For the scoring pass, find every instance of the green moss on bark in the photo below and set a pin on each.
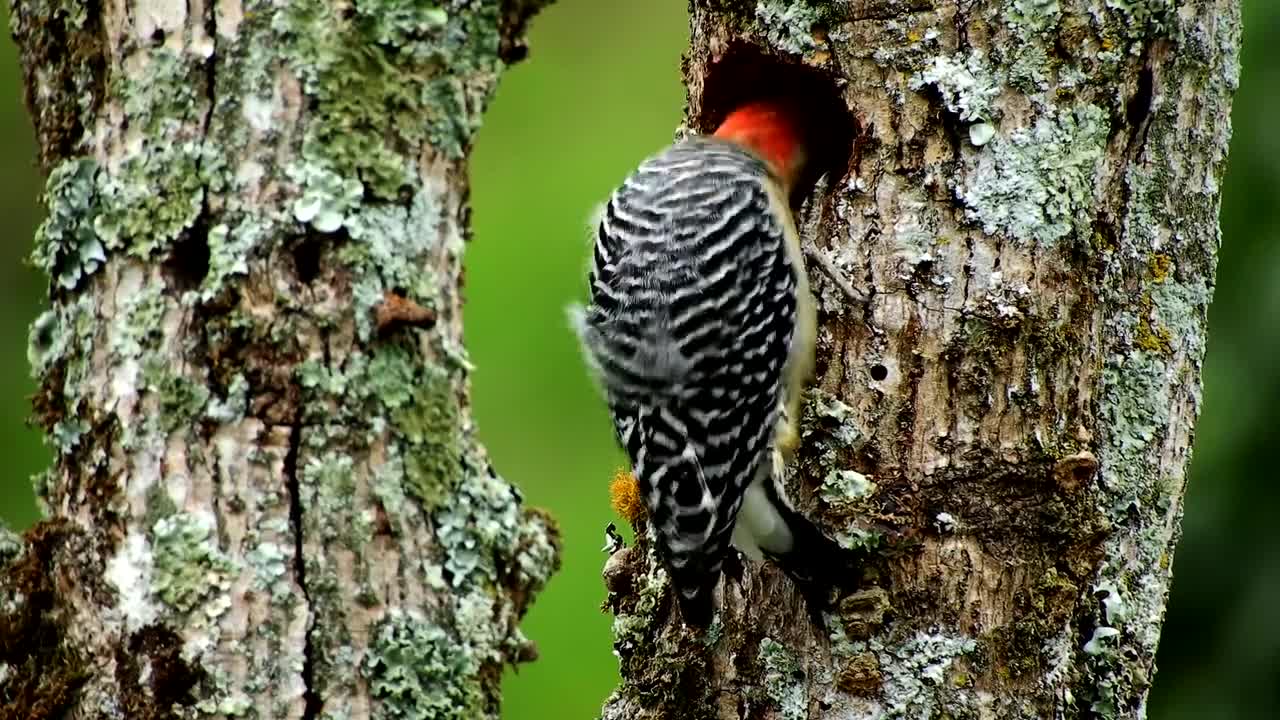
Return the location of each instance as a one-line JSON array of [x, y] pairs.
[[422, 71]]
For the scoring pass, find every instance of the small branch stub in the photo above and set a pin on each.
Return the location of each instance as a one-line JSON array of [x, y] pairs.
[[396, 311]]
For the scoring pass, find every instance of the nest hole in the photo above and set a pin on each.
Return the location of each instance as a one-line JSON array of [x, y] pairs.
[[745, 73]]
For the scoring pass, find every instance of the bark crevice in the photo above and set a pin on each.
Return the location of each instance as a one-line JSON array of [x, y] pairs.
[[312, 700]]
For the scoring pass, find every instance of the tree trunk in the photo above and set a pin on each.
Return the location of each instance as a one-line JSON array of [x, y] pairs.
[[267, 497], [1025, 233]]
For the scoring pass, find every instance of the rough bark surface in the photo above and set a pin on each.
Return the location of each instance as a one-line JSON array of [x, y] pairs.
[[267, 499], [1030, 210]]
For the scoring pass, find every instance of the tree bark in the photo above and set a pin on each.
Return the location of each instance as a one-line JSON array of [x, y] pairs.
[[267, 498], [1025, 233]]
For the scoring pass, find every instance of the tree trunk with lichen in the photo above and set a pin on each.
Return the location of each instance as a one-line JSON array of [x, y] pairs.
[[267, 497], [1013, 262]]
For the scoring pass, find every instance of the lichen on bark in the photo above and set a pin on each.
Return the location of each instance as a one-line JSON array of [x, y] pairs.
[[1030, 210], [279, 505]]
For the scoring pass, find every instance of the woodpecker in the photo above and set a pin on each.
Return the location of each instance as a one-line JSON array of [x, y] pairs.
[[700, 330]]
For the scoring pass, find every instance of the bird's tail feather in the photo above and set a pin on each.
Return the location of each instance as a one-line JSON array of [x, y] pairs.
[[686, 535]]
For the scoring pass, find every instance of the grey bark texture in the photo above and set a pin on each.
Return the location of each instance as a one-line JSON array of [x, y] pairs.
[[1005, 402], [267, 498]]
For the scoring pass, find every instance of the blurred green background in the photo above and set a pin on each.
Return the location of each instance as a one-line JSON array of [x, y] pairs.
[[602, 89]]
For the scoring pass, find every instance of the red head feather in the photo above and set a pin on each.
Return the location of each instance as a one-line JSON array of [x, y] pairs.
[[772, 132]]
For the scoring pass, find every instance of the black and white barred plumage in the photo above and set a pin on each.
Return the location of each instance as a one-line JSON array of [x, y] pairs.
[[700, 330]]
